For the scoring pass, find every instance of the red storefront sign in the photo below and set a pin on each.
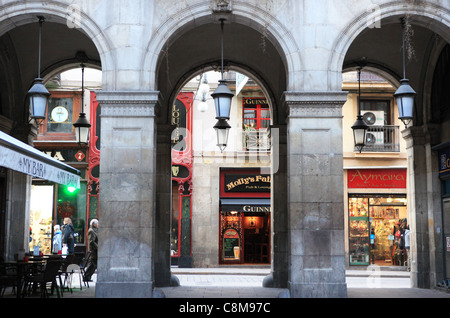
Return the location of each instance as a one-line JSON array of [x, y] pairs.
[[376, 178]]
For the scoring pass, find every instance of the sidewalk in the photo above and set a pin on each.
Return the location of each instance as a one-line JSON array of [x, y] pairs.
[[239, 282]]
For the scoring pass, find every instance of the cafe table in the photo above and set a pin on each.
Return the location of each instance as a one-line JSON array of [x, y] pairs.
[[22, 268]]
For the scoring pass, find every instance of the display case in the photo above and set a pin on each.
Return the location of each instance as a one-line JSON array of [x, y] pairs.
[[358, 231]]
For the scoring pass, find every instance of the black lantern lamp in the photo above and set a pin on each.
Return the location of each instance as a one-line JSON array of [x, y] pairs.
[[405, 94], [222, 99], [359, 127], [222, 130], [82, 125], [38, 95]]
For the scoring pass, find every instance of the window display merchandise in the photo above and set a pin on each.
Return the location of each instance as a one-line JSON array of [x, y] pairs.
[[377, 224]]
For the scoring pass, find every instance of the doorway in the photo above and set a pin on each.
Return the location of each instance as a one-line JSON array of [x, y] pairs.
[[256, 238]]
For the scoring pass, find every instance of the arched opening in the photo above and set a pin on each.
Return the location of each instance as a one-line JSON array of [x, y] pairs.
[[55, 138], [193, 52], [382, 49]]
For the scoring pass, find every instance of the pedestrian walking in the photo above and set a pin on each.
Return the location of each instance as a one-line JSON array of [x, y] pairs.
[[93, 248], [68, 235], [57, 239]]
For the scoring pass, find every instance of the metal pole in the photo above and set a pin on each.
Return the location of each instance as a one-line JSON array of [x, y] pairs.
[[41, 21], [221, 44]]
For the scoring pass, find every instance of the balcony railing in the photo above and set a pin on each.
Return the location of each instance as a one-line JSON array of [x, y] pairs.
[[382, 139], [256, 140], [378, 139]]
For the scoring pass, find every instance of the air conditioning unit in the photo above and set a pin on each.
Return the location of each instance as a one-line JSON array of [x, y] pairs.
[[373, 117], [374, 138]]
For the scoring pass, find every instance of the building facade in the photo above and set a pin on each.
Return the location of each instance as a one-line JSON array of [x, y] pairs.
[[297, 52]]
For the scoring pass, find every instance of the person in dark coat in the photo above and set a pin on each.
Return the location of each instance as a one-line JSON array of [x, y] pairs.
[[93, 248], [68, 235]]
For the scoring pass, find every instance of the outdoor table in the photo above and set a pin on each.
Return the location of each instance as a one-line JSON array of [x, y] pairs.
[[21, 269]]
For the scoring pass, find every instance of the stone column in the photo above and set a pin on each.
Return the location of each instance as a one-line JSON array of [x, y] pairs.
[[163, 206], [279, 216], [418, 218], [17, 235], [315, 194], [127, 200]]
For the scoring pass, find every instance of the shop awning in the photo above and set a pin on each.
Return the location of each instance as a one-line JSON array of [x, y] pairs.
[[245, 205], [23, 158]]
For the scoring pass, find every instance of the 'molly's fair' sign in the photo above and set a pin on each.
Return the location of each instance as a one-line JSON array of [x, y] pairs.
[[376, 178]]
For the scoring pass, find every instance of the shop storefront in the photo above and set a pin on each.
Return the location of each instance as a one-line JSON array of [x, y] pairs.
[[23, 158], [377, 216], [182, 167], [444, 176], [244, 217]]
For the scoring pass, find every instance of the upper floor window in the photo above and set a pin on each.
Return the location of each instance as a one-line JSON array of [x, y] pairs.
[[376, 112], [256, 122], [256, 113]]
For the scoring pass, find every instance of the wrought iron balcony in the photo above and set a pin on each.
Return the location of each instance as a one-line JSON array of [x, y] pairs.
[[256, 140], [382, 139]]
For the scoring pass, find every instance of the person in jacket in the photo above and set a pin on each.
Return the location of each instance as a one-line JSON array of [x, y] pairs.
[[407, 247], [68, 235], [93, 248], [57, 239]]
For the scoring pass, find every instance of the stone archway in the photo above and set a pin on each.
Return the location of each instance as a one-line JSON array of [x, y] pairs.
[[195, 62], [430, 23], [19, 21]]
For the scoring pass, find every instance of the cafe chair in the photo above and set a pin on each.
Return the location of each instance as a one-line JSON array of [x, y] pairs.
[[43, 278], [83, 267], [63, 274], [77, 261], [8, 278], [72, 269]]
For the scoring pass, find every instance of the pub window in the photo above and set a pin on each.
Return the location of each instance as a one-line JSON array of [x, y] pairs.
[[256, 114]]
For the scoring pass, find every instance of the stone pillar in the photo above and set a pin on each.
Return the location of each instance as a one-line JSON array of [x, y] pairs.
[[315, 195], [127, 200], [17, 213], [279, 216], [163, 206], [418, 206]]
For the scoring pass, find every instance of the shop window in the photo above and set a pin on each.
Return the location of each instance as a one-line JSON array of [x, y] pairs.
[[41, 217], [71, 203], [373, 223], [175, 222]]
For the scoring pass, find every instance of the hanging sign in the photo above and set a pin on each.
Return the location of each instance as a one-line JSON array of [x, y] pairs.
[[23, 158], [247, 183]]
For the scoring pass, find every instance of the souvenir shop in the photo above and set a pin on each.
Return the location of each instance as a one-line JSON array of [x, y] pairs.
[[377, 217], [244, 217]]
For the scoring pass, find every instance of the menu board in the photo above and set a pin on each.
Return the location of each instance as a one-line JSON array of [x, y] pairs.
[[231, 242]]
